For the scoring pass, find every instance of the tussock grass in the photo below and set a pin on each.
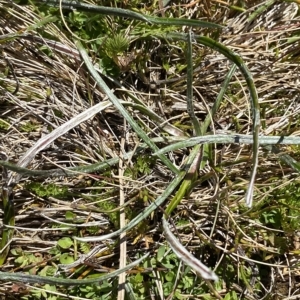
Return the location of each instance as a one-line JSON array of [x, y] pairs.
[[44, 84]]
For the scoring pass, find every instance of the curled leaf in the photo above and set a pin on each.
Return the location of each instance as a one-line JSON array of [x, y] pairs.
[[186, 256]]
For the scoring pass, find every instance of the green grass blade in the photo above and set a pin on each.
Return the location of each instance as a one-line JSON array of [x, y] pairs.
[[254, 105], [284, 157], [9, 219], [142, 216], [190, 175], [5, 276], [184, 142], [218, 101], [74, 171], [209, 117], [236, 59], [121, 108], [195, 159], [260, 10], [230, 139], [182, 22], [113, 11], [189, 97], [9, 216]]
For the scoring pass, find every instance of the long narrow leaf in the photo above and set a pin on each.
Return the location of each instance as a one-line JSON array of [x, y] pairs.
[[189, 96], [49, 138], [186, 256], [230, 139], [209, 117], [184, 142], [125, 13], [236, 59], [193, 162], [194, 159], [6, 276], [217, 103], [121, 108], [9, 216], [142, 216], [286, 158]]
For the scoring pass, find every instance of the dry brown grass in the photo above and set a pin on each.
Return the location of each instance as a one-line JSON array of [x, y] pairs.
[[41, 91]]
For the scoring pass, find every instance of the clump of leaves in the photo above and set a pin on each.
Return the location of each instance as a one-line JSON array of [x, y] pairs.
[[93, 291], [42, 293], [288, 198], [114, 217], [59, 252], [29, 127], [281, 211], [46, 190], [272, 217], [24, 258], [143, 166], [89, 27], [116, 49], [84, 247], [3, 125], [64, 244], [116, 44], [176, 279]]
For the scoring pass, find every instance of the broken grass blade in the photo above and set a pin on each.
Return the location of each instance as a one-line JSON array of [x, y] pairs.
[[186, 256], [46, 140]]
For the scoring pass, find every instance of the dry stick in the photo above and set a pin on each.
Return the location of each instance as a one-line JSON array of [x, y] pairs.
[[123, 248]]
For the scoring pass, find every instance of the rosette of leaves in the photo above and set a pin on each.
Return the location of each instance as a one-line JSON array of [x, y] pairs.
[[116, 48]]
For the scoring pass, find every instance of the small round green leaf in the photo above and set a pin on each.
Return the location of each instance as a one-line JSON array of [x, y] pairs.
[[65, 243], [66, 258]]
